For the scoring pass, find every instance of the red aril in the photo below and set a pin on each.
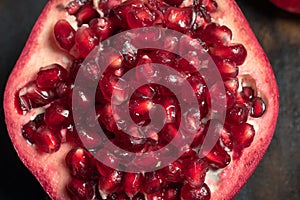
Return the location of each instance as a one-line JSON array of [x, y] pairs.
[[64, 34], [47, 140], [85, 41], [189, 193], [40, 94], [80, 189], [132, 183]]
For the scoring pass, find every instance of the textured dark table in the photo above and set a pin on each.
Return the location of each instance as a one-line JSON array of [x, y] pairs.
[[277, 176]]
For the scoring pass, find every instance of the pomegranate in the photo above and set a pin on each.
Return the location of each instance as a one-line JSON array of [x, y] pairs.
[[292, 6], [73, 160]]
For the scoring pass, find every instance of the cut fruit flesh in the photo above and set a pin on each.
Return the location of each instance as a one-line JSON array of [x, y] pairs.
[[49, 174]]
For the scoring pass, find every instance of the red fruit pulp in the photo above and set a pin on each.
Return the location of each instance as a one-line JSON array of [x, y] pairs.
[[67, 170]]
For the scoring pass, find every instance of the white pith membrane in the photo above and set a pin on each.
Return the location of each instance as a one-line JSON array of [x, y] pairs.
[[54, 55]]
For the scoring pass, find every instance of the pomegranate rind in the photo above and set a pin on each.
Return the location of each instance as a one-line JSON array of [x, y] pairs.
[[292, 6], [233, 177], [50, 169]]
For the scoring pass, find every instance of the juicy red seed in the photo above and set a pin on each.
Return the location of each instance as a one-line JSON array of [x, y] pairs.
[[120, 94], [230, 99], [91, 72], [192, 120], [158, 5], [195, 172], [172, 192], [47, 140], [232, 85], [145, 69], [243, 135], [139, 110], [258, 107], [122, 10], [145, 92], [165, 57], [231, 89], [85, 41], [81, 189], [198, 85], [235, 53], [107, 118], [64, 34], [153, 182], [115, 60], [237, 115], [191, 49], [159, 195], [185, 67], [57, 116], [33, 96], [188, 153], [227, 69], [102, 27], [49, 76], [218, 157], [107, 162], [63, 89], [247, 93], [103, 169], [82, 98], [169, 131], [210, 5], [172, 110], [23, 103], [139, 17], [90, 139], [81, 164], [180, 19], [107, 5], [74, 6], [173, 172], [214, 34], [132, 144], [226, 139], [86, 14], [174, 2], [29, 131], [198, 137], [198, 193], [132, 183], [140, 106], [114, 89], [111, 183]]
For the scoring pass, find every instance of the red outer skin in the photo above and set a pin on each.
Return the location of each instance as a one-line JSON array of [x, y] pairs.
[[50, 169], [292, 6]]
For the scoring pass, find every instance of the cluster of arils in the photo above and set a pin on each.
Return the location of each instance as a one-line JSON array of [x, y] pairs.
[[52, 92]]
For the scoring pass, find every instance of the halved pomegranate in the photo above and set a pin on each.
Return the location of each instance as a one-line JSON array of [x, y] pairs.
[[72, 161], [292, 6]]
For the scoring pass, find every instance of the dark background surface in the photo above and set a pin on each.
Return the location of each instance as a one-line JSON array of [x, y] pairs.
[[277, 176]]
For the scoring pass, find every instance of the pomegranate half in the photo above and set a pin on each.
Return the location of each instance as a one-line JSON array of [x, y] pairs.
[[292, 6], [66, 31]]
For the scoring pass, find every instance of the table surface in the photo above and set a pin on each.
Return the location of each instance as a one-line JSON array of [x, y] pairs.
[[277, 176]]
